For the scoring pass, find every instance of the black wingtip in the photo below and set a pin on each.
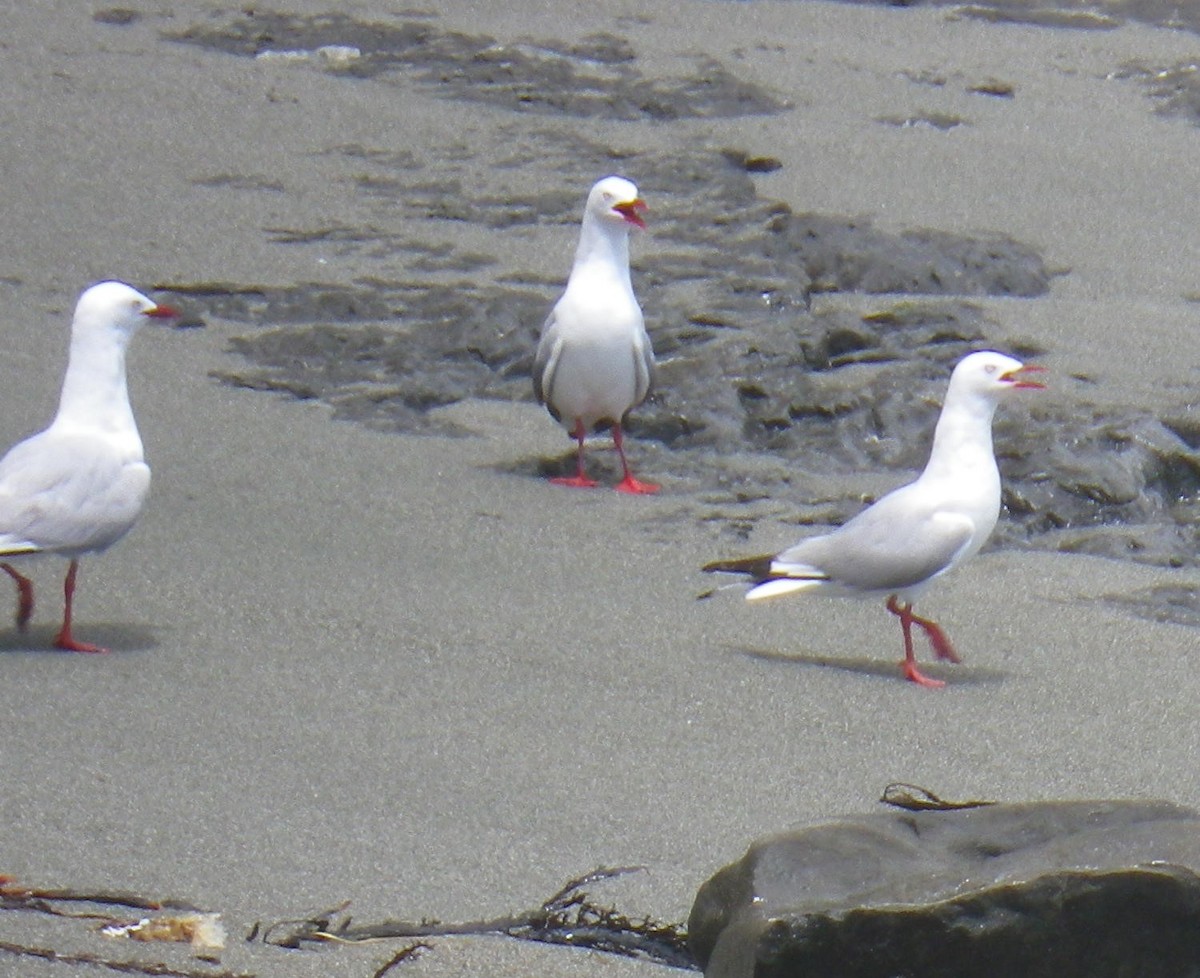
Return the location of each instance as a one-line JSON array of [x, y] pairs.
[[757, 567]]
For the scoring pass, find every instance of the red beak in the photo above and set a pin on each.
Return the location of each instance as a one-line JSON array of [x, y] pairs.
[[632, 211], [161, 311], [1021, 382]]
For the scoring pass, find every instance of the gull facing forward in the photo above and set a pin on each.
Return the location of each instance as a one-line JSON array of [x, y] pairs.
[[594, 362], [79, 486], [896, 548]]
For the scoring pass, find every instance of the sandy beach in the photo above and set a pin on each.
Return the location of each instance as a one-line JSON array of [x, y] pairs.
[[399, 669]]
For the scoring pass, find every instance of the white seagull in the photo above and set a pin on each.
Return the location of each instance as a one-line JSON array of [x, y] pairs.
[[79, 486], [594, 362], [896, 548]]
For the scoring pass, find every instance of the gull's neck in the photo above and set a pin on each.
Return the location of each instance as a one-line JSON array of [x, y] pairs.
[[94, 393], [603, 248], [962, 440]]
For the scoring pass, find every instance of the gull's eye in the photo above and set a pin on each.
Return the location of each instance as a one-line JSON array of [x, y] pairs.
[[990, 368]]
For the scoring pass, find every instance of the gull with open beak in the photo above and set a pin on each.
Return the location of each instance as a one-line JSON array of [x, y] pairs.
[[897, 547], [594, 362]]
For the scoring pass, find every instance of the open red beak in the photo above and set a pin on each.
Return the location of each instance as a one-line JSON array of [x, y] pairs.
[[161, 311], [1020, 381], [632, 211]]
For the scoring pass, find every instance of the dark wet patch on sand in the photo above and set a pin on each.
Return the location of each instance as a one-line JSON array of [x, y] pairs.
[[598, 76], [381, 353], [774, 367]]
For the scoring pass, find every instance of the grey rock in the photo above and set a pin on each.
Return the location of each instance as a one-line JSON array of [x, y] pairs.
[[1054, 889]]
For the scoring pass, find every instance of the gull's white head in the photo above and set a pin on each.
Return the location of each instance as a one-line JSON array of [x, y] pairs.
[[115, 307], [991, 375], [615, 200]]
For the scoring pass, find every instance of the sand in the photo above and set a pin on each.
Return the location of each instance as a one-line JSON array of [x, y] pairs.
[[401, 671]]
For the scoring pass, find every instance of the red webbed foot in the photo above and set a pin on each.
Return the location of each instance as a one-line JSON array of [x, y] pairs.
[[632, 486], [67, 643], [914, 675], [65, 640], [937, 638]]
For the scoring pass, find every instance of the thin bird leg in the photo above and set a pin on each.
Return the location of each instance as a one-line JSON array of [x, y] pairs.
[[911, 672], [579, 480], [937, 639], [629, 483], [24, 596], [64, 640]]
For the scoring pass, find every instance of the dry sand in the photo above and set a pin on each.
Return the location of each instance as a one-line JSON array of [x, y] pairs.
[[385, 669]]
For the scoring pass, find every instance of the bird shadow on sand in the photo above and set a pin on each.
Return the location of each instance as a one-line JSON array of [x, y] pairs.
[[117, 637], [599, 466], [951, 675]]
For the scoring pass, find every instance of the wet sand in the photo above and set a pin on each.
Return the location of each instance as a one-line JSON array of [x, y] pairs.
[[398, 668]]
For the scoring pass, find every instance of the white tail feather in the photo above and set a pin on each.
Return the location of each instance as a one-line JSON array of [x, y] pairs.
[[778, 586]]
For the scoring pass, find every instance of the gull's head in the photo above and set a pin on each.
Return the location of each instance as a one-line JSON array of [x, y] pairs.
[[992, 374], [615, 200], [117, 308]]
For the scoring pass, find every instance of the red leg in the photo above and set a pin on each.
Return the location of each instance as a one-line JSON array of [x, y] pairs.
[[24, 596], [64, 640], [629, 483], [911, 672], [579, 480]]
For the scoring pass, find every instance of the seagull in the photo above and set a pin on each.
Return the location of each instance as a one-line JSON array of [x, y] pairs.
[[78, 487], [594, 362], [897, 547]]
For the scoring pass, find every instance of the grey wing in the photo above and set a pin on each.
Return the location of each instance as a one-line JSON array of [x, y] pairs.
[[643, 366], [895, 544], [62, 494], [545, 361], [25, 484]]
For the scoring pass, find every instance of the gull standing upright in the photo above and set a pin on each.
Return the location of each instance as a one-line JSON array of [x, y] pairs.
[[79, 486], [897, 547], [594, 361]]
